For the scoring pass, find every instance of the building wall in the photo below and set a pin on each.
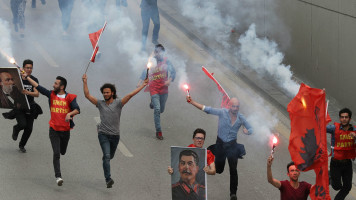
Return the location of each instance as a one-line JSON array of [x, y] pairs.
[[322, 48]]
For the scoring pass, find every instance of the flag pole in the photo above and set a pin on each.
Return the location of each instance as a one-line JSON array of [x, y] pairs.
[[87, 67], [96, 46]]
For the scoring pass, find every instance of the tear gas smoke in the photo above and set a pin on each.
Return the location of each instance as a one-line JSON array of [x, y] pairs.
[[263, 56]]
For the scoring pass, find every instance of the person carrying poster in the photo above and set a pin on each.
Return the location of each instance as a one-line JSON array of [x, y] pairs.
[[24, 117], [198, 142]]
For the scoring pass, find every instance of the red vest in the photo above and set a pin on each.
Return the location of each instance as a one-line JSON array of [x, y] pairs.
[[157, 77], [59, 108], [344, 147]]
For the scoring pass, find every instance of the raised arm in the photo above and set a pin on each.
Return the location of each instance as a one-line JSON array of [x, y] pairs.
[[276, 183], [194, 103], [133, 93], [87, 95], [32, 82], [35, 92]]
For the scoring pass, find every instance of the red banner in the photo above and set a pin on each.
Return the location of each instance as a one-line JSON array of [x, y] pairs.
[[307, 141], [94, 39], [226, 98]]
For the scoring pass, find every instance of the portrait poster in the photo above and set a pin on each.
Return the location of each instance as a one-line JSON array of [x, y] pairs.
[[188, 179], [11, 89]]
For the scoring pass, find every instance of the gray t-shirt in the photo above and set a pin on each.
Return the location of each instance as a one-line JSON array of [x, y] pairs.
[[109, 117]]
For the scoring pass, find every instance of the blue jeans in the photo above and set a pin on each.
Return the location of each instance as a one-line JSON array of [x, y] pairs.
[[148, 13], [108, 145], [66, 7], [159, 103]]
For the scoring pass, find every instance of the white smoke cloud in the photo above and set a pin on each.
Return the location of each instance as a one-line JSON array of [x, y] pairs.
[[5, 39], [263, 56], [209, 19]]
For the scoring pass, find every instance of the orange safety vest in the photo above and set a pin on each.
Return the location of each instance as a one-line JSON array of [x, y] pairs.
[[344, 147], [157, 77], [59, 108]]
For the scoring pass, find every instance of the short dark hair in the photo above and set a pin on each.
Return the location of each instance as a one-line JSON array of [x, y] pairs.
[[27, 61], [189, 153], [63, 81], [289, 164], [160, 47], [199, 130], [111, 87], [345, 110]]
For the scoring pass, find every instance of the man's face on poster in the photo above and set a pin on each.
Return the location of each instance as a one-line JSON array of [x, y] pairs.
[[6, 82], [188, 169]]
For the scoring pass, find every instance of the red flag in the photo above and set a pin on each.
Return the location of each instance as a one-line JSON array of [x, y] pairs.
[[94, 39], [307, 141], [226, 98]]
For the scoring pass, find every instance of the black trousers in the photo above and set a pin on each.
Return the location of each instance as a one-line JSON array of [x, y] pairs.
[[341, 177], [59, 141], [24, 122], [227, 150]]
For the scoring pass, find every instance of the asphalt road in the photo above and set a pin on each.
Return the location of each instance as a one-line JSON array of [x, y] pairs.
[[140, 165]]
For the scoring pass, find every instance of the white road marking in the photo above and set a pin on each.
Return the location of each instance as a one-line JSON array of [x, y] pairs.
[[45, 55], [121, 145]]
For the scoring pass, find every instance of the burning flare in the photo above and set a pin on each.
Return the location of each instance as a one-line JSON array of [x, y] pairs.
[[304, 103], [12, 60], [275, 140]]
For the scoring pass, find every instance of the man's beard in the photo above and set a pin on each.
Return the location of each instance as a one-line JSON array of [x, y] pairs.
[[7, 88], [108, 99], [56, 90]]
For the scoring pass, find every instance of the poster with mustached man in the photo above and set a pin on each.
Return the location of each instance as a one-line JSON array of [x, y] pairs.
[[188, 178], [11, 89]]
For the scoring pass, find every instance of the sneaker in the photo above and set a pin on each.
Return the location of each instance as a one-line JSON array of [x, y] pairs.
[[151, 105], [109, 183], [22, 149], [59, 181], [159, 135], [233, 197], [15, 134]]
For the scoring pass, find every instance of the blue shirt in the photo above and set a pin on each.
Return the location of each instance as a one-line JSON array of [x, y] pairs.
[[226, 131]]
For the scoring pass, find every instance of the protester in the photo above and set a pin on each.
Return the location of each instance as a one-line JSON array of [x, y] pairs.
[[198, 142], [343, 149], [25, 118], [230, 121], [66, 7], [292, 189], [109, 127], [18, 11], [63, 107], [149, 11], [160, 77]]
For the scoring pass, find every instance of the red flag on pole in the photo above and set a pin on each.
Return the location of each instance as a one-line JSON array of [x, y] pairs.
[[307, 141], [94, 39], [226, 98]]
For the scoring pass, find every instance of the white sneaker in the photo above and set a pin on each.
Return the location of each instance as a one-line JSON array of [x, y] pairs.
[[59, 181]]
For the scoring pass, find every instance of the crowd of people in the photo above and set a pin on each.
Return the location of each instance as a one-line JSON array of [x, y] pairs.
[[149, 11], [64, 106]]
